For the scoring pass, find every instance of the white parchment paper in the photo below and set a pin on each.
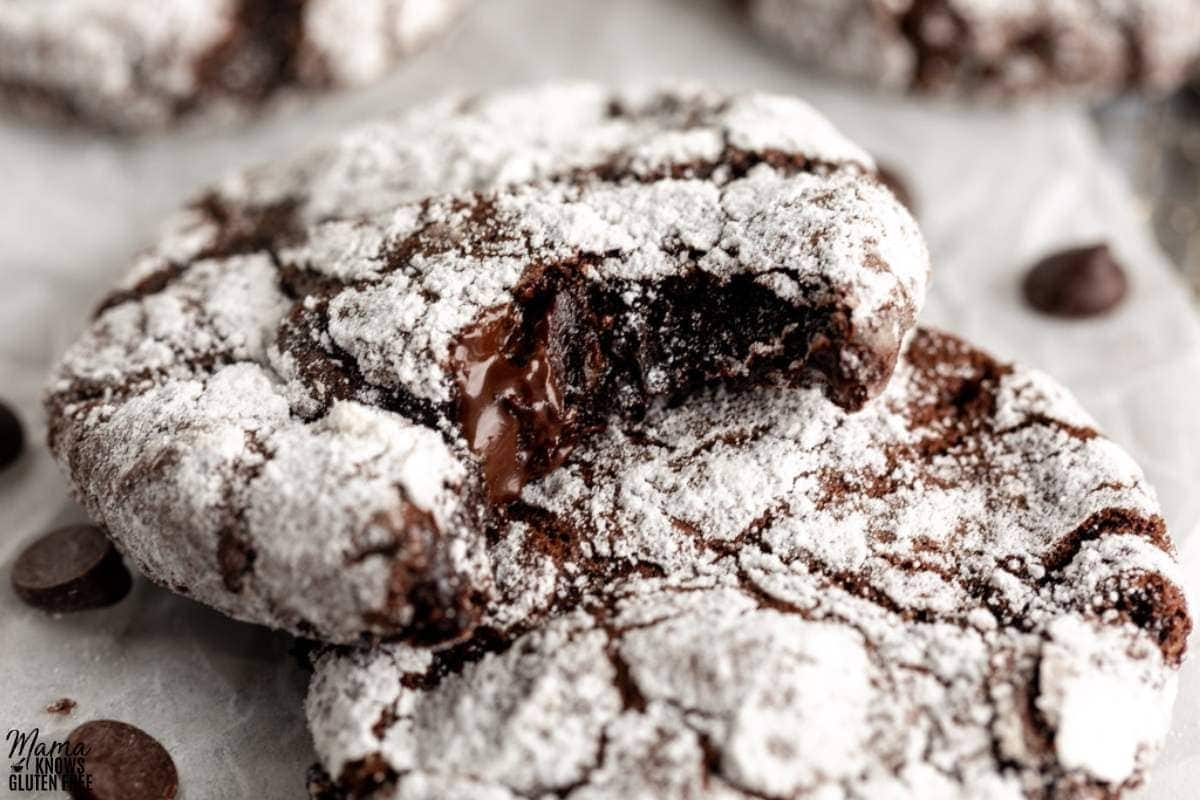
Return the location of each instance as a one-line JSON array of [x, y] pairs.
[[995, 188]]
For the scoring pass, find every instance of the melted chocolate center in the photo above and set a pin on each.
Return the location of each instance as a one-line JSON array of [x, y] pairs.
[[511, 407], [569, 355]]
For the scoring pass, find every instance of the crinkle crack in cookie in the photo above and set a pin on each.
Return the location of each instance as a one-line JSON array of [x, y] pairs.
[[308, 403], [962, 591], [132, 65], [983, 47]]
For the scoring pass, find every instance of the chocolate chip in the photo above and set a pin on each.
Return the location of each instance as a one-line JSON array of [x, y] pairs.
[[122, 763], [71, 569], [1079, 282], [12, 437], [892, 179], [64, 705]]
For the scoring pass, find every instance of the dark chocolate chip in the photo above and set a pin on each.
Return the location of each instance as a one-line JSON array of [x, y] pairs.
[[71, 569], [892, 179], [1079, 282], [122, 763], [64, 705], [12, 436]]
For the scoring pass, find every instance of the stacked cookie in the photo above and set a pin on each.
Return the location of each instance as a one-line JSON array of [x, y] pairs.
[[596, 431]]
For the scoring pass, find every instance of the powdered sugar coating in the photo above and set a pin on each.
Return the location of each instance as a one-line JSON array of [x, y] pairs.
[[759, 595], [132, 65], [262, 413], [984, 47]]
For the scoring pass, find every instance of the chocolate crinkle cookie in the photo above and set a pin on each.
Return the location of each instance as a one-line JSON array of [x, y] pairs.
[[317, 400], [988, 48], [135, 65], [961, 591]]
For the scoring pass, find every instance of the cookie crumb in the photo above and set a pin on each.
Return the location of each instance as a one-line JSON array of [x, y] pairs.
[[63, 706]]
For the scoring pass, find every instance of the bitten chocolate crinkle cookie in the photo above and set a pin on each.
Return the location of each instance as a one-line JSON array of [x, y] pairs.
[[962, 591], [130, 65], [309, 404], [983, 47]]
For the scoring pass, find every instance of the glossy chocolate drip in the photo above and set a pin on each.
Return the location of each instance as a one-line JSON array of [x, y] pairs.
[[510, 403]]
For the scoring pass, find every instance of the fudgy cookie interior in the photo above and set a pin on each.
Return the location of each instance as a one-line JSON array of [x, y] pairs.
[[569, 354]]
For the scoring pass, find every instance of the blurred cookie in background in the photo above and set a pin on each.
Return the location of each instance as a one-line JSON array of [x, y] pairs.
[[126, 66], [990, 49]]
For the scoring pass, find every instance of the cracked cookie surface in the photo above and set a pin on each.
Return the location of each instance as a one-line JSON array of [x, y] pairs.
[[962, 591], [133, 65], [310, 401], [984, 48]]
